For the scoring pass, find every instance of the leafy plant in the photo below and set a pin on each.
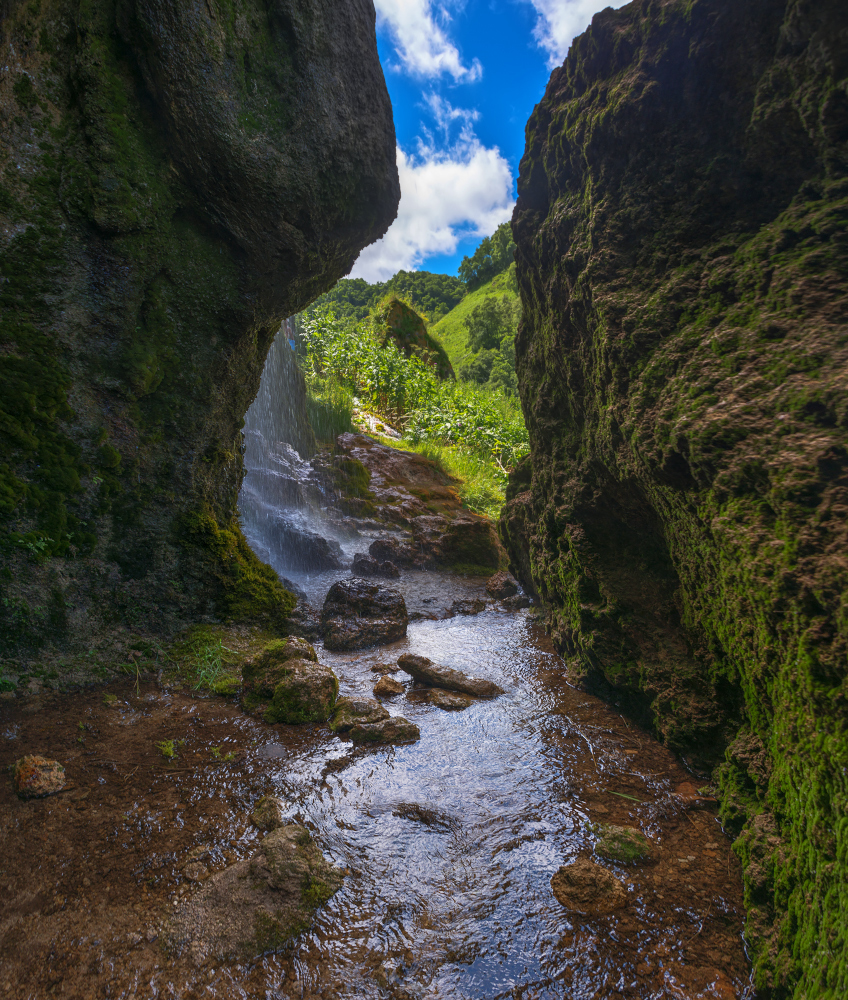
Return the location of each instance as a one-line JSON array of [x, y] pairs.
[[223, 758], [168, 748]]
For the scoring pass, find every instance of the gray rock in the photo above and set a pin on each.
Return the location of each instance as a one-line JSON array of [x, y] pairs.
[[358, 613], [258, 905], [433, 675], [364, 565], [502, 585], [386, 687]]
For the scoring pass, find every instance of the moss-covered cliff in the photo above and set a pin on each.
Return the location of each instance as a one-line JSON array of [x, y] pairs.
[[682, 231], [175, 178]]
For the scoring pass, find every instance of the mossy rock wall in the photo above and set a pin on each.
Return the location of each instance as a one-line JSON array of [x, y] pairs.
[[682, 232], [175, 179]]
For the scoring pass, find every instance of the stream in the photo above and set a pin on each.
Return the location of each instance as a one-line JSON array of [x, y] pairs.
[[448, 844]]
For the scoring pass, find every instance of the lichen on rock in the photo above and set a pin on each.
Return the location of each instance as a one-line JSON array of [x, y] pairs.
[[682, 257]]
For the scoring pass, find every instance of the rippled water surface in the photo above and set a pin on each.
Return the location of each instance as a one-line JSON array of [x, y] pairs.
[[449, 844]]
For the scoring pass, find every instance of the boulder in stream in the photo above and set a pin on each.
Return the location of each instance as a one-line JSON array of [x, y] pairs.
[[433, 675], [358, 613], [36, 777], [395, 729], [285, 683], [257, 905], [300, 549], [588, 888], [391, 550], [351, 711], [501, 585], [365, 565], [386, 687], [450, 701], [624, 844]]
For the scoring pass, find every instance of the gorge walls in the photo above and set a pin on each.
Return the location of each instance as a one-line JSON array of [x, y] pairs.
[[175, 179], [682, 232]]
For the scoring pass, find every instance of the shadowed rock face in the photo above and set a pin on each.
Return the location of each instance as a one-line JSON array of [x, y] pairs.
[[176, 179], [683, 264]]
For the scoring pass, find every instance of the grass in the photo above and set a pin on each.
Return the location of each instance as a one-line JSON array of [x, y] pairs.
[[168, 748], [329, 407], [205, 663]]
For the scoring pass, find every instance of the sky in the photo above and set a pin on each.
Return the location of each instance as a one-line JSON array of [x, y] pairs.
[[463, 76]]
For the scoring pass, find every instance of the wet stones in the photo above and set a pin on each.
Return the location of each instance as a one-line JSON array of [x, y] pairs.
[[257, 905], [269, 813], [352, 711], [501, 585], [299, 549], [365, 565], [36, 777], [285, 683], [387, 687], [433, 675], [358, 613], [588, 888], [449, 701], [392, 730], [390, 550], [624, 844], [466, 608]]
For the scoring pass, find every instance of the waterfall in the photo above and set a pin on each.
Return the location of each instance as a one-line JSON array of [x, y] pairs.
[[285, 513]]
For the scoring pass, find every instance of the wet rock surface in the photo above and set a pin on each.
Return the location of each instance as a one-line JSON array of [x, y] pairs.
[[502, 584], [269, 813], [358, 613], [624, 844], [450, 701], [365, 565], [387, 687], [257, 905], [300, 549], [285, 683], [588, 888], [35, 777], [352, 711], [395, 729], [426, 672]]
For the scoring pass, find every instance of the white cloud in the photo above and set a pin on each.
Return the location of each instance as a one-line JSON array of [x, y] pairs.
[[560, 21], [421, 44], [445, 195]]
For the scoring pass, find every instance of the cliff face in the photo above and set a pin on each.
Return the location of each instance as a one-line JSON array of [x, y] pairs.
[[682, 231], [175, 179]]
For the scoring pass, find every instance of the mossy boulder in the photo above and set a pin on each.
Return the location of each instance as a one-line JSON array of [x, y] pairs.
[[397, 323], [348, 712], [176, 179], [286, 683], [257, 905], [263, 672], [682, 259], [624, 844]]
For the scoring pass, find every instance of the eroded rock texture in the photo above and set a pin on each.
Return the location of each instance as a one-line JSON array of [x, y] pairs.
[[682, 231], [175, 178]]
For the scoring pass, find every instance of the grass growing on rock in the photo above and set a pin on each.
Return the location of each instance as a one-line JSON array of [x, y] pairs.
[[474, 433]]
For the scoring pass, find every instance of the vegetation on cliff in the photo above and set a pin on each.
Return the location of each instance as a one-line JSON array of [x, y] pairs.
[[682, 252]]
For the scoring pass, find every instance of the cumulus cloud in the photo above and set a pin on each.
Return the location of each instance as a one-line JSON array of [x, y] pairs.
[[560, 21], [422, 45], [446, 195]]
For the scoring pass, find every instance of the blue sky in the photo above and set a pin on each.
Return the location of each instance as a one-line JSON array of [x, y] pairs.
[[464, 76]]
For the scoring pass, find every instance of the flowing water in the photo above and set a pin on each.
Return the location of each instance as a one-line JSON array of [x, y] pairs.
[[448, 844]]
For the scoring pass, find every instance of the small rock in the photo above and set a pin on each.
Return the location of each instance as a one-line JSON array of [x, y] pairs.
[[624, 844], [588, 888], [392, 730], [450, 701], [358, 613], [365, 565], [110, 700], [196, 872], [388, 686], [516, 603], [502, 585], [350, 711], [389, 550], [467, 607], [433, 675], [35, 777], [152, 934], [135, 939], [385, 668], [269, 813]]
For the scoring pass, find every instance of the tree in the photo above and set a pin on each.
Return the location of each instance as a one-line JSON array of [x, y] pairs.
[[495, 254]]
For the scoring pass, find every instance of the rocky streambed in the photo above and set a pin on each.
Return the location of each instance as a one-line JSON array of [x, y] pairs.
[[438, 815]]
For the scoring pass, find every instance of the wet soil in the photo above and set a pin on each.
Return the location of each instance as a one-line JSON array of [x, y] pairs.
[[449, 844]]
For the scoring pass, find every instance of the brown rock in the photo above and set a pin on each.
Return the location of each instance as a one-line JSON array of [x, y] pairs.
[[358, 613], [393, 730], [269, 813], [352, 711], [450, 701], [35, 777], [388, 686], [501, 585], [364, 565], [433, 675], [588, 888]]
